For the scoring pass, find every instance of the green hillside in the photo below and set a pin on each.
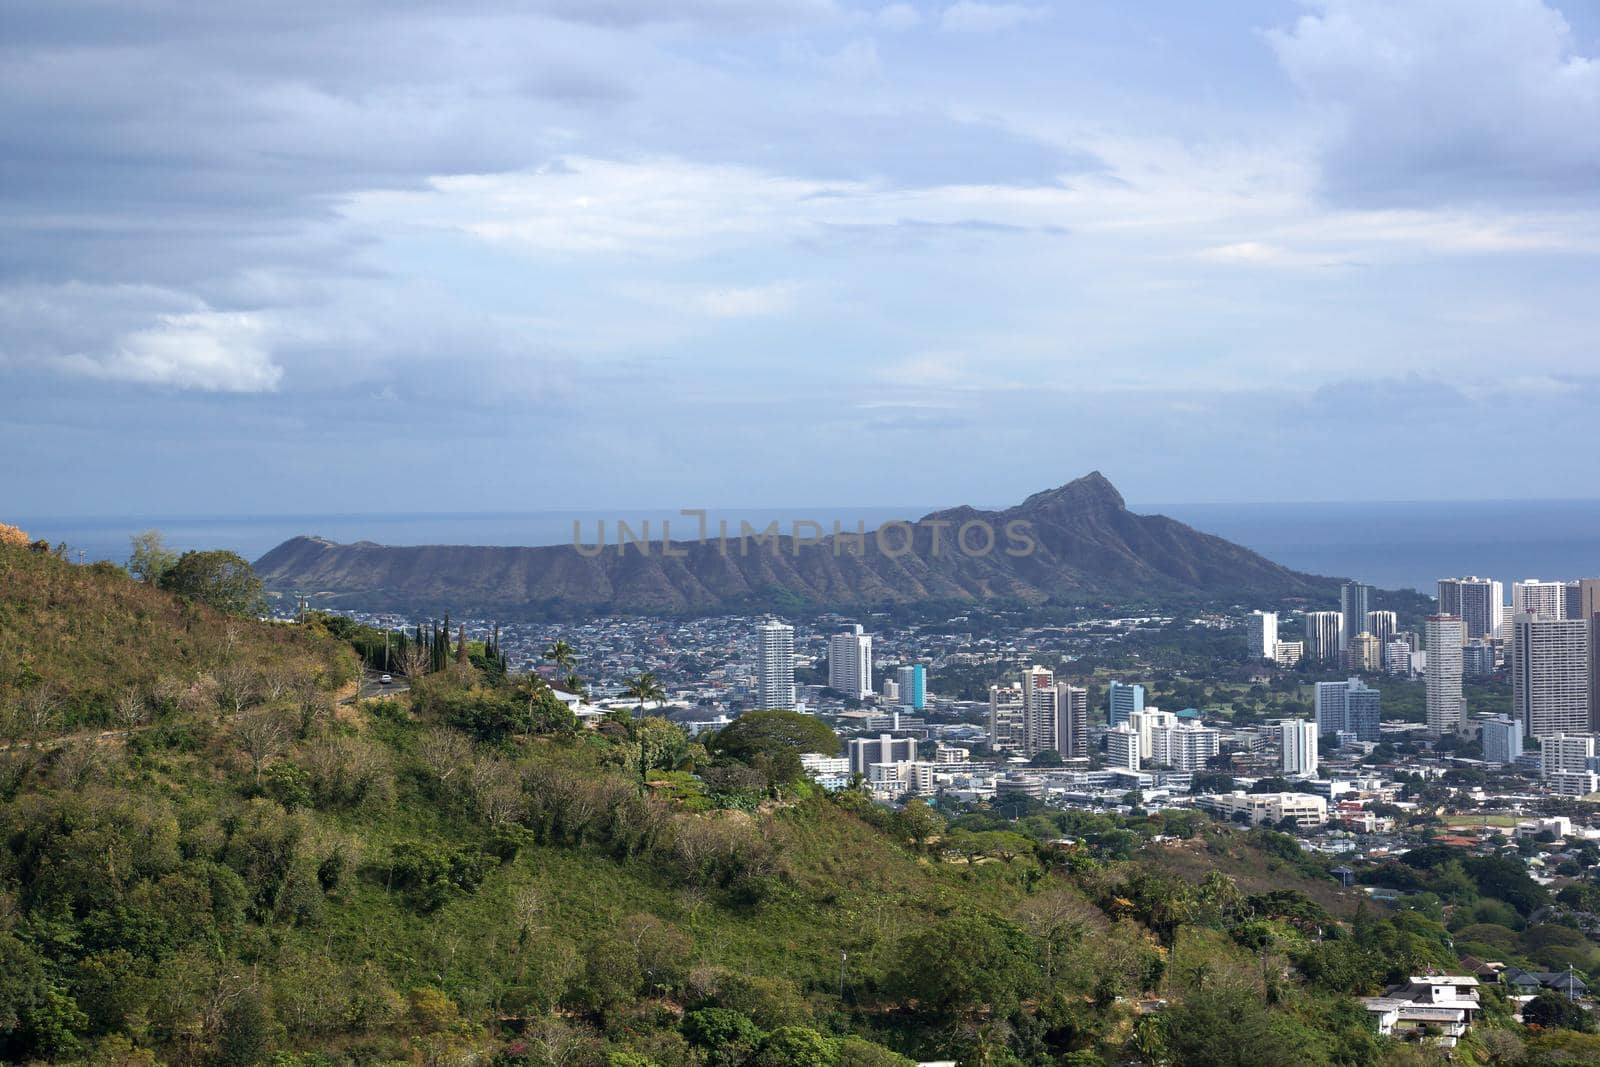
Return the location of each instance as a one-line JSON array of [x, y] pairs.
[[244, 876]]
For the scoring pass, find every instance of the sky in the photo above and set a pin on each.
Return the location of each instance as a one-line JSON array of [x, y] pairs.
[[294, 257]]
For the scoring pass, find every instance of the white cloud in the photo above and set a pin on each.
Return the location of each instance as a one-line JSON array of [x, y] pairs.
[[749, 301], [968, 16], [210, 351], [1447, 100], [898, 17]]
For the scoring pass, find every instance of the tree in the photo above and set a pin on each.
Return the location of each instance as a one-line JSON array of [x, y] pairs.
[[1226, 1026], [768, 733], [982, 962], [644, 688], [560, 653], [222, 580], [150, 558], [1554, 1011]]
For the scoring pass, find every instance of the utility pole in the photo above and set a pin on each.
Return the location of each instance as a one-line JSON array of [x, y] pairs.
[[843, 956]]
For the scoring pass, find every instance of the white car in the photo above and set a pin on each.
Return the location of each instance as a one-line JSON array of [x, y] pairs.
[[384, 679]]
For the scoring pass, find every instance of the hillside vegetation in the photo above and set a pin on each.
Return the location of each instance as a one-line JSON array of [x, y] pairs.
[[467, 876]]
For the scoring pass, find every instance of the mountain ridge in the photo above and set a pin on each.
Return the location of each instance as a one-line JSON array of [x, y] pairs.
[[1075, 541]]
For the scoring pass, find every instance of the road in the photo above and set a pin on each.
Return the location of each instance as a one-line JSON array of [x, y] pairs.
[[371, 687]]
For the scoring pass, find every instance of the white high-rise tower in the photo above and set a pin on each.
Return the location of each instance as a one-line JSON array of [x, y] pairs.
[[850, 663], [774, 665], [1447, 703], [1262, 627], [1550, 675]]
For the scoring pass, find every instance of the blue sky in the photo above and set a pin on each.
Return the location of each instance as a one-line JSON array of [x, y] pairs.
[[300, 256]]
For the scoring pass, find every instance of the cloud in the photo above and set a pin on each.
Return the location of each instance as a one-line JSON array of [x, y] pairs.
[[968, 16], [898, 17], [218, 352], [749, 301], [1447, 100]]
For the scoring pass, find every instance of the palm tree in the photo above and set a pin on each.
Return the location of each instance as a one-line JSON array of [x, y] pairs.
[[644, 687], [560, 653]]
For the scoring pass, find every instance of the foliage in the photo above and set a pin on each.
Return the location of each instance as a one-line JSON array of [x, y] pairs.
[[218, 579]]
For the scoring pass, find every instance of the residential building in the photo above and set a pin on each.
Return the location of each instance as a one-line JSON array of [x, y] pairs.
[[1288, 653], [1383, 625], [1363, 710], [1324, 636], [1477, 659], [1298, 740], [1502, 740], [1550, 676], [1397, 657], [1145, 723], [1183, 746], [1262, 630], [1330, 706], [1574, 783], [1477, 602], [774, 666], [1589, 611], [1547, 600], [1447, 702], [1122, 747], [850, 663], [1432, 1009], [830, 772], [885, 748], [1355, 601], [1562, 752], [1055, 715], [913, 685], [1122, 701], [1364, 653], [1008, 728]]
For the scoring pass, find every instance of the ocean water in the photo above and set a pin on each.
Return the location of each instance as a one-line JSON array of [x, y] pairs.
[[1390, 545]]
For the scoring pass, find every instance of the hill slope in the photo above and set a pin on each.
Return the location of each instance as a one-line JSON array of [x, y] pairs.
[[77, 640], [1074, 542]]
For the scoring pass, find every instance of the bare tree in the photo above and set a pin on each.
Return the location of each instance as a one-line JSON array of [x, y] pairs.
[[495, 789], [76, 762], [131, 709], [238, 687], [446, 754], [413, 661], [40, 711], [261, 735]]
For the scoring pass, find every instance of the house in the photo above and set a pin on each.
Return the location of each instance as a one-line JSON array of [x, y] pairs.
[[1529, 983], [1433, 1008]]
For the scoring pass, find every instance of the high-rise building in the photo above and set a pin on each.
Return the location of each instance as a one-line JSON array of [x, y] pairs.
[[1262, 630], [885, 748], [1565, 752], [1007, 718], [1397, 657], [1502, 740], [1572, 600], [1288, 653], [1589, 611], [1145, 723], [1350, 706], [1072, 720], [1122, 748], [1447, 702], [775, 665], [850, 663], [1548, 600], [913, 682], [1298, 739], [1122, 701], [1383, 625], [1549, 663], [1477, 659], [1363, 711], [1477, 602], [1055, 715], [1355, 600], [1330, 701], [1364, 653], [1183, 746], [1324, 636]]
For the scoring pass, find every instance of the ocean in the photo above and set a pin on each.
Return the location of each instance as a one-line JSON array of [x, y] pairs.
[[1388, 544]]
